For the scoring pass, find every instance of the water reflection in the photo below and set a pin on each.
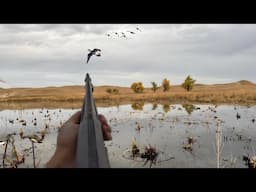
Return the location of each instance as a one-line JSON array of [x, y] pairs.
[[137, 106], [166, 108], [189, 108], [180, 139], [154, 107], [218, 145]]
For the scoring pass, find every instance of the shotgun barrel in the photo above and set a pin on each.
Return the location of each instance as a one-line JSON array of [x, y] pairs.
[[91, 151]]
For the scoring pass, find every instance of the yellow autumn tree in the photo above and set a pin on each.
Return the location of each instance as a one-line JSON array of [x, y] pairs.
[[166, 85], [137, 87]]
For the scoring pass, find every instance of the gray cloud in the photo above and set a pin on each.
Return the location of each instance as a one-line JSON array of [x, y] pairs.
[[221, 40], [54, 54], [2, 81]]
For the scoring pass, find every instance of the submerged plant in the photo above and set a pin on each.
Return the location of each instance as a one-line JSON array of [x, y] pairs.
[[135, 148], [150, 154]]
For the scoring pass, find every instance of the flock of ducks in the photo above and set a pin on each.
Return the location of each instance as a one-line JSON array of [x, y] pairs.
[[122, 34]]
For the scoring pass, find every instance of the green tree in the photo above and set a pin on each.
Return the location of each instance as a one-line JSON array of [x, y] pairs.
[[166, 85], [137, 87], [188, 83], [154, 86]]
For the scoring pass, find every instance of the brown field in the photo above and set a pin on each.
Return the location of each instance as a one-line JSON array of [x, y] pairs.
[[242, 92]]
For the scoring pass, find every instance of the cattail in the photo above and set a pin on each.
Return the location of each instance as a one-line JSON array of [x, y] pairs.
[[21, 133]]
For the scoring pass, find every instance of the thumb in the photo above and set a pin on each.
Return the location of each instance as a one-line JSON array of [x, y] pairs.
[[75, 118]]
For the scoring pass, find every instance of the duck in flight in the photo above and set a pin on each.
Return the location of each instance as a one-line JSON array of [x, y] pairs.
[[138, 29], [131, 32], [95, 51], [123, 35]]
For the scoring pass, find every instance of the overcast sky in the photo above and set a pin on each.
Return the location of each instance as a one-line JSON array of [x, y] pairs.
[[54, 55]]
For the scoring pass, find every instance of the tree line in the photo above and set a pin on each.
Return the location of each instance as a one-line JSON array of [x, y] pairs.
[[188, 84], [138, 87]]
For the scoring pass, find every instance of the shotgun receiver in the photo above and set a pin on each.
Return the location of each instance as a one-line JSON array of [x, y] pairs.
[[91, 151]]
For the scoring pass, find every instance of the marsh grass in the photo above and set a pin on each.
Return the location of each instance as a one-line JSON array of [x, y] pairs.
[[241, 92]]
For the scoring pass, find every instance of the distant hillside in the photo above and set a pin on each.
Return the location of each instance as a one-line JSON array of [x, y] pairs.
[[241, 91], [245, 82], [241, 82]]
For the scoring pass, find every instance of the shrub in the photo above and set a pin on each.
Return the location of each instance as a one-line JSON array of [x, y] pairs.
[[166, 85], [108, 90], [154, 86], [137, 87], [115, 91]]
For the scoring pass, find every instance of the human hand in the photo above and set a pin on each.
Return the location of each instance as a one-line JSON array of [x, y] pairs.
[[65, 153]]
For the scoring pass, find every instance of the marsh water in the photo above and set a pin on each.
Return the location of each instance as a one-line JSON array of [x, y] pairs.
[[221, 134]]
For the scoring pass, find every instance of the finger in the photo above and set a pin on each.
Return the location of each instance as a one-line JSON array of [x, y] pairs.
[[108, 137], [106, 132], [102, 119], [106, 128], [75, 118]]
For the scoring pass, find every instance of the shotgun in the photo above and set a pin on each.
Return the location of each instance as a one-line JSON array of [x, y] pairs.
[[91, 151]]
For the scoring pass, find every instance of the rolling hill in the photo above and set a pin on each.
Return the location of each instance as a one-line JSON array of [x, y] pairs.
[[238, 92]]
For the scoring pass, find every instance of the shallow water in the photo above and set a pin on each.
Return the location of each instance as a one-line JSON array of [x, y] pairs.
[[165, 127]]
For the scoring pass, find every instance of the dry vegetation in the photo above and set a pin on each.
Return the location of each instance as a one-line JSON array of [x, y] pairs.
[[242, 92]]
